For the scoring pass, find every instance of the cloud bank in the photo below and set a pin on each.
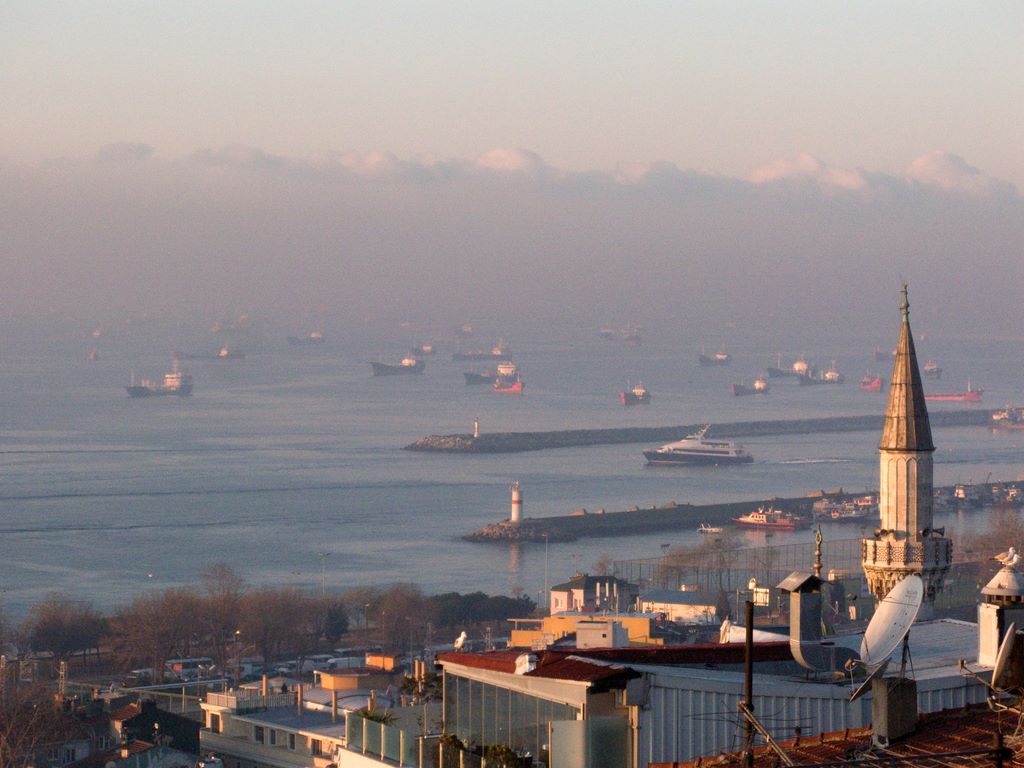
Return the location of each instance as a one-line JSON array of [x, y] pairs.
[[508, 238]]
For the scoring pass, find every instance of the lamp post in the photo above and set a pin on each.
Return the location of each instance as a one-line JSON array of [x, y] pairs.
[[546, 567], [323, 573]]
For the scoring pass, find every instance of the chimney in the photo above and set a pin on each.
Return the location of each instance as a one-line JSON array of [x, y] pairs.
[[1002, 604]]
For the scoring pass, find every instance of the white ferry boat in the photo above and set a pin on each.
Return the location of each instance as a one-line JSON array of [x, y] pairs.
[[696, 449]]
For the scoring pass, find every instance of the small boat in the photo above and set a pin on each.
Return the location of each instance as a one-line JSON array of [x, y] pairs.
[[508, 381], [970, 396], [408, 365], [423, 349], [931, 370], [487, 377], [1008, 418], [636, 395], [709, 529], [856, 510], [719, 358], [497, 352], [877, 355], [313, 337], [176, 382], [772, 519], [831, 376], [696, 449], [225, 353], [872, 383], [759, 387]]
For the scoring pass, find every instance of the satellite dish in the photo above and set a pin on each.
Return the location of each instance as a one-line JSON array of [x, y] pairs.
[[876, 673], [1003, 656], [892, 621]]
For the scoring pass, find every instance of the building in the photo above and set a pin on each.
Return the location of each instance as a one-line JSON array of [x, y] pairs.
[[677, 605], [591, 594], [906, 542]]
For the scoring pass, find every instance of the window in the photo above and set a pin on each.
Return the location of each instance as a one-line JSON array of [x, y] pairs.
[[257, 734], [214, 722], [315, 747], [291, 741], [69, 755], [273, 738]]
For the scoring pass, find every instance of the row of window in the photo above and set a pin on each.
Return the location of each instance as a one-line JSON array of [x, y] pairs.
[[272, 737]]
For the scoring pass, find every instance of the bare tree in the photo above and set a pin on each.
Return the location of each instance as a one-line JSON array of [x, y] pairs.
[[63, 626], [221, 609], [29, 721], [155, 627]]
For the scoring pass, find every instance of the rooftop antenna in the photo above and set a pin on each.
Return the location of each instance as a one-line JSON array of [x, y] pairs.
[[1005, 678]]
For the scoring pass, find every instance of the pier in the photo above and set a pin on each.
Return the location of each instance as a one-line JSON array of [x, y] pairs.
[[518, 442]]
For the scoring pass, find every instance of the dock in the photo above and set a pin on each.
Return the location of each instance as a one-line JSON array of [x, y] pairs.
[[518, 442]]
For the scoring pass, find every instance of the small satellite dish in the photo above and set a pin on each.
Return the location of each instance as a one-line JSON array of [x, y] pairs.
[[892, 620], [876, 673], [1003, 656]]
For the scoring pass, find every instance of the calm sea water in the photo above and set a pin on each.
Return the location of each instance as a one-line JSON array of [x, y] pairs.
[[288, 466]]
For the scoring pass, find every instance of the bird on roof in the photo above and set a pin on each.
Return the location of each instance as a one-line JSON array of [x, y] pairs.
[[1007, 557], [461, 641]]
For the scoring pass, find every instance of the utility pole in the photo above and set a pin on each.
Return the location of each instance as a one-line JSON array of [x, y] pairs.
[[748, 687]]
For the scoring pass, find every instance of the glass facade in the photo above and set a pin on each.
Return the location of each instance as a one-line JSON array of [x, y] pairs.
[[482, 714]]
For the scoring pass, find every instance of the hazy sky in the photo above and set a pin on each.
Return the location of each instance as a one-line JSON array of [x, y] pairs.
[[383, 148]]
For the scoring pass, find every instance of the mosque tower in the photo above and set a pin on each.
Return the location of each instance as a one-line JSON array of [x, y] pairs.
[[906, 542]]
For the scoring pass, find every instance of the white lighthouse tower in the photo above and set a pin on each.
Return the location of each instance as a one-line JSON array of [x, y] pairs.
[[517, 504]]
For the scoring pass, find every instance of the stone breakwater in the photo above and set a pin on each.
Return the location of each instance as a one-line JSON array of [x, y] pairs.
[[633, 521], [517, 442]]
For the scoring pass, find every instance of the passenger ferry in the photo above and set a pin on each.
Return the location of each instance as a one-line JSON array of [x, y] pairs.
[[695, 449]]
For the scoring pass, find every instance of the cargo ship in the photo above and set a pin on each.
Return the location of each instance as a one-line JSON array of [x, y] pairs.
[[176, 382], [497, 352], [800, 367], [695, 449], [637, 395], [931, 370], [759, 387], [772, 519], [408, 365], [487, 377], [719, 358], [970, 396], [1008, 418], [313, 337], [831, 376], [508, 381]]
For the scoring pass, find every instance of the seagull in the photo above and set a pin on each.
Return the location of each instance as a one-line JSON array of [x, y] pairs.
[[460, 641], [1007, 556]]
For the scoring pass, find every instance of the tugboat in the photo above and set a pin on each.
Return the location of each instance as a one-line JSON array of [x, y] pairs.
[[719, 358], [772, 519], [931, 370], [508, 381], [695, 449], [177, 382], [635, 395], [872, 383], [759, 387], [408, 365], [970, 396], [487, 377]]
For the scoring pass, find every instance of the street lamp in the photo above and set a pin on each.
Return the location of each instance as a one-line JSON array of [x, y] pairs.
[[323, 573]]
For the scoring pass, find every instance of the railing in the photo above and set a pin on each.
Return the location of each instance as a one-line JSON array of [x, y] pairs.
[[406, 748], [250, 701]]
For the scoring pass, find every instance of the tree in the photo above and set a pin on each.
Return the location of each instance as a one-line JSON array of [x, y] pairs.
[[63, 626], [29, 719], [155, 627], [335, 620], [221, 609]]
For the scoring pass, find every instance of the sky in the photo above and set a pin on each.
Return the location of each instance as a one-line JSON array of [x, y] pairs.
[[457, 159]]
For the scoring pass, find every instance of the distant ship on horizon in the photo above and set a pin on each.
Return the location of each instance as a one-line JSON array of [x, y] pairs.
[[175, 382]]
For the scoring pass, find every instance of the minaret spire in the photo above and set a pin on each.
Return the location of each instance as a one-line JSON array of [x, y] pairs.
[[905, 541]]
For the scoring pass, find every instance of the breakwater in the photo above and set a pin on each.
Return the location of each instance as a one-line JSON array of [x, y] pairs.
[[517, 442], [631, 522]]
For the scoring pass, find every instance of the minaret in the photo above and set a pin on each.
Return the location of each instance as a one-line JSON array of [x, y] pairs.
[[905, 542]]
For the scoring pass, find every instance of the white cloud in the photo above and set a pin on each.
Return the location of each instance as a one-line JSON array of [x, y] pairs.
[[809, 168], [951, 173], [519, 161]]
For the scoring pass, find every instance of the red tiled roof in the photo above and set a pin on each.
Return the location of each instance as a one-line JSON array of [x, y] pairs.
[[553, 663], [126, 712], [937, 734]]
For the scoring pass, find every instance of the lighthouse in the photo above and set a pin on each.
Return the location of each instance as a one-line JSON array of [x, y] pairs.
[[517, 504]]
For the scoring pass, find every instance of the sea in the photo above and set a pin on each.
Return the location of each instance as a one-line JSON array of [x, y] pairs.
[[288, 464]]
